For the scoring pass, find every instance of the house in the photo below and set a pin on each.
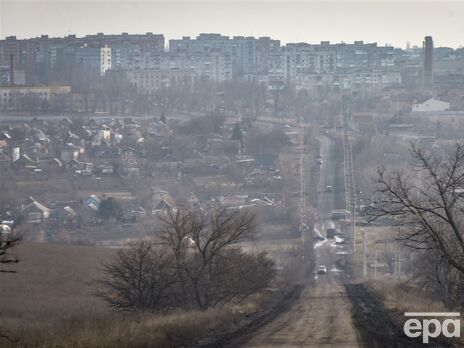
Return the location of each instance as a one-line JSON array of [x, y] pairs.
[[51, 164], [101, 135], [104, 169], [64, 215], [162, 202], [129, 162], [431, 105], [79, 167], [24, 161], [34, 212], [71, 152], [92, 202]]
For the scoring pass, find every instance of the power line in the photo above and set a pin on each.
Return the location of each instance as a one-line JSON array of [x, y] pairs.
[[350, 202]]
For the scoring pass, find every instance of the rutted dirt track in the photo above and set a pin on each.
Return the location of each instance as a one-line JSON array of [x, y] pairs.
[[320, 318]]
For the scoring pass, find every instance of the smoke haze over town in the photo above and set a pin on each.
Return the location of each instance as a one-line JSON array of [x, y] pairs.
[[289, 21], [231, 174]]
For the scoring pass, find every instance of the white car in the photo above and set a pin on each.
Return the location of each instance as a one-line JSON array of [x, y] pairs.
[[322, 270]]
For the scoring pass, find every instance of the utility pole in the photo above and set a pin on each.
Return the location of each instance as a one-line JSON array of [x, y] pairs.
[[350, 191], [363, 232], [397, 260], [303, 226]]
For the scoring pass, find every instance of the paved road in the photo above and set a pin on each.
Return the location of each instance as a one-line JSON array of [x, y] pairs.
[[322, 315]]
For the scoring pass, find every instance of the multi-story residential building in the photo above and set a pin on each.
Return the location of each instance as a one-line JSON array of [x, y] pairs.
[[148, 81], [11, 96], [360, 80], [248, 55], [88, 57], [39, 57], [212, 56], [215, 66], [19, 57], [105, 59], [265, 49], [303, 59]]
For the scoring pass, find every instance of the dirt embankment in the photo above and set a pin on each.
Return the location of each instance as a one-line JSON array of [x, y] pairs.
[[380, 327]]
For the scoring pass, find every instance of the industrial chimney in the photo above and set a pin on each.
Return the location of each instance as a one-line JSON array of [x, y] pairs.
[[428, 63]]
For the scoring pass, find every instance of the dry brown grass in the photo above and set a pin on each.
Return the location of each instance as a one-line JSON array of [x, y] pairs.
[[50, 303], [52, 281], [404, 297], [113, 330]]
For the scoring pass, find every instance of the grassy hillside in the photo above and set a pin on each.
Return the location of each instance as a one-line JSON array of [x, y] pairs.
[[52, 281], [50, 303]]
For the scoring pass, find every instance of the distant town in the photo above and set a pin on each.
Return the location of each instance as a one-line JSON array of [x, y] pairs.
[[161, 190], [103, 73], [213, 121]]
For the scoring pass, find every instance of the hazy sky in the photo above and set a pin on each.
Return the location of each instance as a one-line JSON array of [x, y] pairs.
[[394, 22]]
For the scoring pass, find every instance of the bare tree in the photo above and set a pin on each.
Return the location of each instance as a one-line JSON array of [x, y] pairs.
[[138, 279], [167, 99], [7, 242], [193, 263], [426, 202], [206, 262], [435, 275]]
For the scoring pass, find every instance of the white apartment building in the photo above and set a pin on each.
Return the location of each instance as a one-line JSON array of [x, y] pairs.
[[354, 81], [105, 59]]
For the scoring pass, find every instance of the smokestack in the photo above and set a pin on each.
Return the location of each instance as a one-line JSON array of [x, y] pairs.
[[428, 63], [12, 82]]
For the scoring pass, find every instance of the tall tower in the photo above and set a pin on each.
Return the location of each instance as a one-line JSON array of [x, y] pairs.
[[428, 63]]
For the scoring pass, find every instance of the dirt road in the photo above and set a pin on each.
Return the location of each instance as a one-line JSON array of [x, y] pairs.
[[322, 316]]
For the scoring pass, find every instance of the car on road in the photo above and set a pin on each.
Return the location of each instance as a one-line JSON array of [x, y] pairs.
[[322, 270], [328, 188]]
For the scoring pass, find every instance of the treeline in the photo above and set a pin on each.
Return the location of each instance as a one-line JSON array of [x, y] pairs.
[[193, 262]]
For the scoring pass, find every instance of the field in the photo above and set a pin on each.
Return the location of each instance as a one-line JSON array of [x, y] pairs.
[[49, 302]]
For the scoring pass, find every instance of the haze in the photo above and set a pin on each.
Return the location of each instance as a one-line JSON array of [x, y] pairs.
[[391, 22]]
